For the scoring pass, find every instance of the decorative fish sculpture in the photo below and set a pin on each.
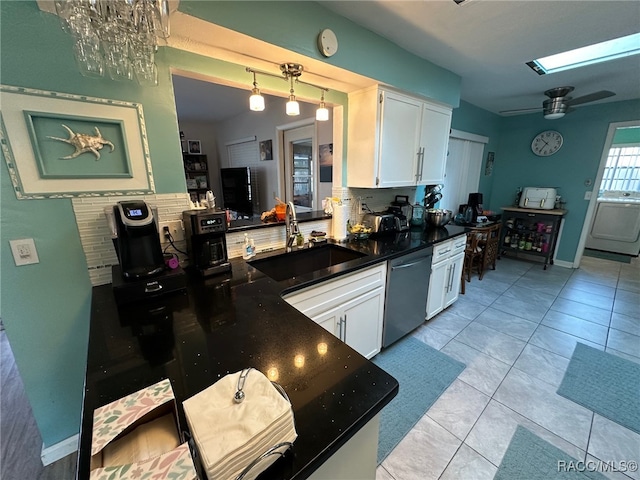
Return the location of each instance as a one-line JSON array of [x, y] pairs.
[[84, 143]]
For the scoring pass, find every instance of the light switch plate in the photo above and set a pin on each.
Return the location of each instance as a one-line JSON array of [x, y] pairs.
[[24, 251]]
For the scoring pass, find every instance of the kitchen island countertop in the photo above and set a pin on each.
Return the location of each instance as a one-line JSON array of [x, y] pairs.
[[228, 322]]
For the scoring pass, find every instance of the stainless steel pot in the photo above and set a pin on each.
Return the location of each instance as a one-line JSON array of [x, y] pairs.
[[438, 217]]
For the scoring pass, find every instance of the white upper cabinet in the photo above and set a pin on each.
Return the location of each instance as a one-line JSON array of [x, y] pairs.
[[434, 141], [395, 139]]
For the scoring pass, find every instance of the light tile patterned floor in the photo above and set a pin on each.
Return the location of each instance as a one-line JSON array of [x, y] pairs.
[[516, 331]]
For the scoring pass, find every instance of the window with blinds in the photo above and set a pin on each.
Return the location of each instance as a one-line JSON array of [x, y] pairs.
[[243, 154], [622, 171]]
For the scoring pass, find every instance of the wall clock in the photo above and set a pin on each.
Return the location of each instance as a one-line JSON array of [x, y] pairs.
[[546, 143]]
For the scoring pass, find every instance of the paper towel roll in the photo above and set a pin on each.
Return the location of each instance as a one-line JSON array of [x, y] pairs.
[[339, 223]]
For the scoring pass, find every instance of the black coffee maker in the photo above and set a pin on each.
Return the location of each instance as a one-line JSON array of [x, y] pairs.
[[475, 202], [138, 243], [206, 240]]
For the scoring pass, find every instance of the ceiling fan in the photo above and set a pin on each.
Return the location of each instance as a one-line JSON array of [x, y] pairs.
[[558, 103]]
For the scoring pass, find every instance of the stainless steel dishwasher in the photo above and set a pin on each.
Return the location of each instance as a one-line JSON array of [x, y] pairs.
[[405, 303]]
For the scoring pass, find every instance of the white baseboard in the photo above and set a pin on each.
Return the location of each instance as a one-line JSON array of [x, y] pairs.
[[562, 263], [59, 450]]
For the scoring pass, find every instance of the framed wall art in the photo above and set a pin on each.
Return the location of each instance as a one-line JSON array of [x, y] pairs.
[[194, 147], [64, 145], [326, 162], [266, 150]]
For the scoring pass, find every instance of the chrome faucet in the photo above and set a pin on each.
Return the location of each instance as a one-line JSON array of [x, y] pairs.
[[291, 225]]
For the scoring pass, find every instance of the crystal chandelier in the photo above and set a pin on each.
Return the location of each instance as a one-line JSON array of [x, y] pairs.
[[116, 38]]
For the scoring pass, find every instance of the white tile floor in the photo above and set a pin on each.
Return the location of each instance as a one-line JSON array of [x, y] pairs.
[[516, 331]]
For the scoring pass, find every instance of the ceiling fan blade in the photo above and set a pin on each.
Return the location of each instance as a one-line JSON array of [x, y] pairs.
[[520, 110], [592, 97]]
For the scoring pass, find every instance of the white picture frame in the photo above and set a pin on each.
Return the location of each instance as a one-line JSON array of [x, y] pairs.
[[24, 158]]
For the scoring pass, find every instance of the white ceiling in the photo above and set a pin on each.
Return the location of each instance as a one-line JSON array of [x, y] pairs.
[[486, 42]]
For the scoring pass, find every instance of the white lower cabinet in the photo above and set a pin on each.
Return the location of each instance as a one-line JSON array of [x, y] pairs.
[[446, 272], [351, 307]]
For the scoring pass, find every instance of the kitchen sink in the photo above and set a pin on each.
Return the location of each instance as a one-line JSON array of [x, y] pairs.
[[292, 264]]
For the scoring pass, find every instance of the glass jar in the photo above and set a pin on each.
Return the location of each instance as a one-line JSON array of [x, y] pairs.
[[417, 218]]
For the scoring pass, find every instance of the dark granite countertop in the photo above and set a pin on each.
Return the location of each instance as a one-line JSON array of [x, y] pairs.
[[225, 323]]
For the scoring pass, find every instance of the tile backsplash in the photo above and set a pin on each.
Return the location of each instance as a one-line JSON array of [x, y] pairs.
[[100, 253], [95, 233]]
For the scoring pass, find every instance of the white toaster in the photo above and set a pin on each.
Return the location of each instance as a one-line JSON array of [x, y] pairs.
[[541, 198]]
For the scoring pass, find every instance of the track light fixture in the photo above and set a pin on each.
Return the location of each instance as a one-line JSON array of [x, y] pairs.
[[256, 101], [290, 71]]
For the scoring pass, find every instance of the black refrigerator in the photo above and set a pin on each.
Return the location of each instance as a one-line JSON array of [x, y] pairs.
[[237, 189]]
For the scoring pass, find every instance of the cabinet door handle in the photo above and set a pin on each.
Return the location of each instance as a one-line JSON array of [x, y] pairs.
[[344, 335], [453, 276], [420, 166]]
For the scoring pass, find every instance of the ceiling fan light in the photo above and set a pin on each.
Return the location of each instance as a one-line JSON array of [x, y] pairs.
[[554, 115], [256, 101], [292, 107]]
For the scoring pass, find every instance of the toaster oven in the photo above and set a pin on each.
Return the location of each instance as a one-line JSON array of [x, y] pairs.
[[538, 198]]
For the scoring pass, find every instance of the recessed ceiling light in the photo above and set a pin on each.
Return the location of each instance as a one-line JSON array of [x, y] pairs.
[[596, 53]]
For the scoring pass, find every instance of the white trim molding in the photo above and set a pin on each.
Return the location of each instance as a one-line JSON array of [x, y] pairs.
[[472, 137], [59, 450]]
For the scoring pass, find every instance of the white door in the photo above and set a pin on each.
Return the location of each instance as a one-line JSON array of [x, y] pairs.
[[452, 292], [330, 320], [301, 168], [363, 322], [462, 173], [399, 140], [437, 286], [434, 140]]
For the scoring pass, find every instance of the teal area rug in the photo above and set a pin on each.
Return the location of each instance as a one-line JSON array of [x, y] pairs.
[[616, 257], [604, 383], [423, 374], [529, 457]]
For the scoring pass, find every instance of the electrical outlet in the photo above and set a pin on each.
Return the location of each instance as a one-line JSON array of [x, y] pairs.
[[175, 229], [24, 251], [587, 195], [362, 207]]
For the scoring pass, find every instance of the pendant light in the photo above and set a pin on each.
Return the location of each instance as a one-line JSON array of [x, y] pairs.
[[292, 107], [256, 101], [322, 113]]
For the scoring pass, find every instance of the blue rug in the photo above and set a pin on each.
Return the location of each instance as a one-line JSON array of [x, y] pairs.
[[604, 383], [423, 374], [531, 458]]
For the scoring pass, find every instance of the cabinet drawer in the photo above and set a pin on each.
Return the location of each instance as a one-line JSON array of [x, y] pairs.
[[459, 244], [320, 298], [442, 251]]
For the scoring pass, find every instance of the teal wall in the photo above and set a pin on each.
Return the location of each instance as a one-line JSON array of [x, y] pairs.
[[295, 26], [45, 307], [584, 131]]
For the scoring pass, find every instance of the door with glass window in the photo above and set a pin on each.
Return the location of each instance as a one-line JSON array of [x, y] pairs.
[[301, 168]]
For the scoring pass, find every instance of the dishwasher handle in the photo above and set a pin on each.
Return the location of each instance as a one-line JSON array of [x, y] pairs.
[[407, 265]]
